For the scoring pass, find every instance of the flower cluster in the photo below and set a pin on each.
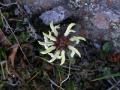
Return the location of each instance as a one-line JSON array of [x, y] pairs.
[[56, 43]]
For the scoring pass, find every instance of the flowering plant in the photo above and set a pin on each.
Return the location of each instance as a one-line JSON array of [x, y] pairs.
[[56, 43]]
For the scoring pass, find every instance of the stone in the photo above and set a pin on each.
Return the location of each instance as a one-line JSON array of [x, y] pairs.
[[115, 6], [100, 21], [38, 6], [56, 15], [112, 16]]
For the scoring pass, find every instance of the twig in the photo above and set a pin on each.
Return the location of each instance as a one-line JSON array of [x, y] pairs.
[[56, 84], [52, 86], [32, 77], [114, 85], [74, 69], [68, 74]]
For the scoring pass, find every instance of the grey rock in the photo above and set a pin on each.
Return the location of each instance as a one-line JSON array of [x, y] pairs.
[[115, 6], [100, 15], [38, 6], [106, 18], [56, 15], [115, 36], [112, 16], [100, 20], [27, 9]]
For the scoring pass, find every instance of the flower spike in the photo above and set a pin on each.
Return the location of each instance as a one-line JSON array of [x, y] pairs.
[[62, 57], [46, 44], [54, 56], [68, 30], [54, 28], [50, 36], [48, 50], [77, 39], [74, 50]]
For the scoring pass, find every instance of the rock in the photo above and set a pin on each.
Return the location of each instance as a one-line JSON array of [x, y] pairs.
[[111, 8], [100, 21], [112, 16], [56, 15], [115, 35], [104, 13], [37, 6], [115, 6]]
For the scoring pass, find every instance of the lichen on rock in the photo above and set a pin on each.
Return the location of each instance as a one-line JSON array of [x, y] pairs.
[[116, 36]]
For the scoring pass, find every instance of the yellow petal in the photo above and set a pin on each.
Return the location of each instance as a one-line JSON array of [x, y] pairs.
[[74, 50], [46, 44], [54, 56], [49, 36], [57, 54], [51, 55], [72, 54], [68, 30], [62, 57], [43, 44], [77, 39], [45, 39], [48, 50], [52, 60], [54, 28]]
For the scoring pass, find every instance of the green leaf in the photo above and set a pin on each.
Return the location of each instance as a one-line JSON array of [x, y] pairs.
[[107, 76], [107, 47]]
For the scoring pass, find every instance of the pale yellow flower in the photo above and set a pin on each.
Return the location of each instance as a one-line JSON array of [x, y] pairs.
[[56, 44]]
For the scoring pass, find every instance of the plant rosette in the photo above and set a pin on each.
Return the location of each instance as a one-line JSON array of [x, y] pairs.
[[57, 43]]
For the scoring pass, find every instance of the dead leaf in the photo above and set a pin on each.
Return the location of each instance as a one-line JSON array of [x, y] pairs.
[[12, 55]]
